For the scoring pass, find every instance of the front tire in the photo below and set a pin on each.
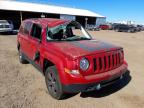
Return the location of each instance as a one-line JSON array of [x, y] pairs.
[[53, 83]]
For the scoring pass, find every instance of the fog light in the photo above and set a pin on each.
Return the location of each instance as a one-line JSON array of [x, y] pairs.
[[98, 87], [121, 77], [75, 72]]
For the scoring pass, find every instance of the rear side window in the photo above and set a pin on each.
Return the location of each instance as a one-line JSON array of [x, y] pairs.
[[25, 28], [36, 31]]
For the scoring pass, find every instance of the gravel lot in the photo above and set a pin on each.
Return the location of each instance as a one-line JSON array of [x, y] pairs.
[[23, 86]]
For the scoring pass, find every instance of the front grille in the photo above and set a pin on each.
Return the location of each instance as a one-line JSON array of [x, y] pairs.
[[108, 61], [4, 26]]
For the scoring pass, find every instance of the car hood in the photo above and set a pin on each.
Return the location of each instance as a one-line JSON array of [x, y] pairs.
[[76, 49]]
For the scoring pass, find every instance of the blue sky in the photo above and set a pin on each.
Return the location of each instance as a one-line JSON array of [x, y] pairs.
[[114, 10]]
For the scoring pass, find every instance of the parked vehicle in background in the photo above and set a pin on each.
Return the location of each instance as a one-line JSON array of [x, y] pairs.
[[104, 27], [68, 57], [140, 28], [92, 27], [110, 26], [125, 28], [96, 28], [6, 26], [113, 25]]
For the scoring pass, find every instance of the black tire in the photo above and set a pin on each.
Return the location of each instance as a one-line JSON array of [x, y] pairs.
[[21, 58], [53, 83]]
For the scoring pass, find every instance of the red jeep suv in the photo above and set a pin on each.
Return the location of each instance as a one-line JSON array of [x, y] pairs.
[[68, 57]]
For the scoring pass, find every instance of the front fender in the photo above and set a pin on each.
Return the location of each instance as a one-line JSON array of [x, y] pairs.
[[58, 62]]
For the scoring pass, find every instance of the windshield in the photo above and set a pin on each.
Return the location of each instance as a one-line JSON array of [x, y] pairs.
[[69, 31]]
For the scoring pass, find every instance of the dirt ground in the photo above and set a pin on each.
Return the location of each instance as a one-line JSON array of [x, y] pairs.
[[22, 86]]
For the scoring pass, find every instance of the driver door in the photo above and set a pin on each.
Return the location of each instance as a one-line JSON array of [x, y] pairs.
[[35, 43]]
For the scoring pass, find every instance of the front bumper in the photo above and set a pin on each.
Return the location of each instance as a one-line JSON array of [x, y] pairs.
[[96, 81], [75, 88]]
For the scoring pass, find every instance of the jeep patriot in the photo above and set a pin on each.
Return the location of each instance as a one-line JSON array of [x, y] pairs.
[[69, 58]]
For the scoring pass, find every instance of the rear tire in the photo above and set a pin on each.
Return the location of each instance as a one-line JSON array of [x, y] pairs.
[[21, 58], [53, 83]]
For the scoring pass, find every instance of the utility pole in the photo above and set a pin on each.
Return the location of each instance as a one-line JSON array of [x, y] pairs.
[[21, 16], [86, 19], [42, 15]]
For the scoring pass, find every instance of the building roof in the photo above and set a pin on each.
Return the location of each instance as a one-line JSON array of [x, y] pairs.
[[44, 8]]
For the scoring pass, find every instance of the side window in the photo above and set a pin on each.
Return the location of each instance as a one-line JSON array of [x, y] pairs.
[[27, 27], [36, 31]]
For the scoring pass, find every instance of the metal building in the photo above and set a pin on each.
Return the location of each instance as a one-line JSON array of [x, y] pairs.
[[18, 11]]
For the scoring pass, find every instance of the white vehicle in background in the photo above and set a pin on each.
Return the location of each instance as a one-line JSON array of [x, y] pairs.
[[6, 26]]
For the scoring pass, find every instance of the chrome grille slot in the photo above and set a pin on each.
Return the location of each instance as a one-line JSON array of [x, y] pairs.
[[109, 61], [95, 64], [105, 62], [113, 60], [116, 59], [100, 63]]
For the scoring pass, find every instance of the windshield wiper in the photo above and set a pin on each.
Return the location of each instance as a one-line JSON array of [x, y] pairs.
[[84, 38]]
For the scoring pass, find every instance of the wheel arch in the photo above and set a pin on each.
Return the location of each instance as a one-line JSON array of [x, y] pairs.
[[18, 46], [59, 66], [47, 63]]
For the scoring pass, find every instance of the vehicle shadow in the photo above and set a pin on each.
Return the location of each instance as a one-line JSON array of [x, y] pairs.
[[69, 95], [109, 89], [9, 33]]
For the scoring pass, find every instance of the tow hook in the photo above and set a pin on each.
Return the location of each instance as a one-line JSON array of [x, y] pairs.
[[121, 77], [98, 87]]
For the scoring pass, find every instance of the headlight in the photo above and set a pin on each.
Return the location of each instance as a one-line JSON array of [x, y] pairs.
[[84, 64]]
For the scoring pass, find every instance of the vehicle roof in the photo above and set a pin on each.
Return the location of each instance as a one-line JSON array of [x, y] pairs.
[[50, 22]]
